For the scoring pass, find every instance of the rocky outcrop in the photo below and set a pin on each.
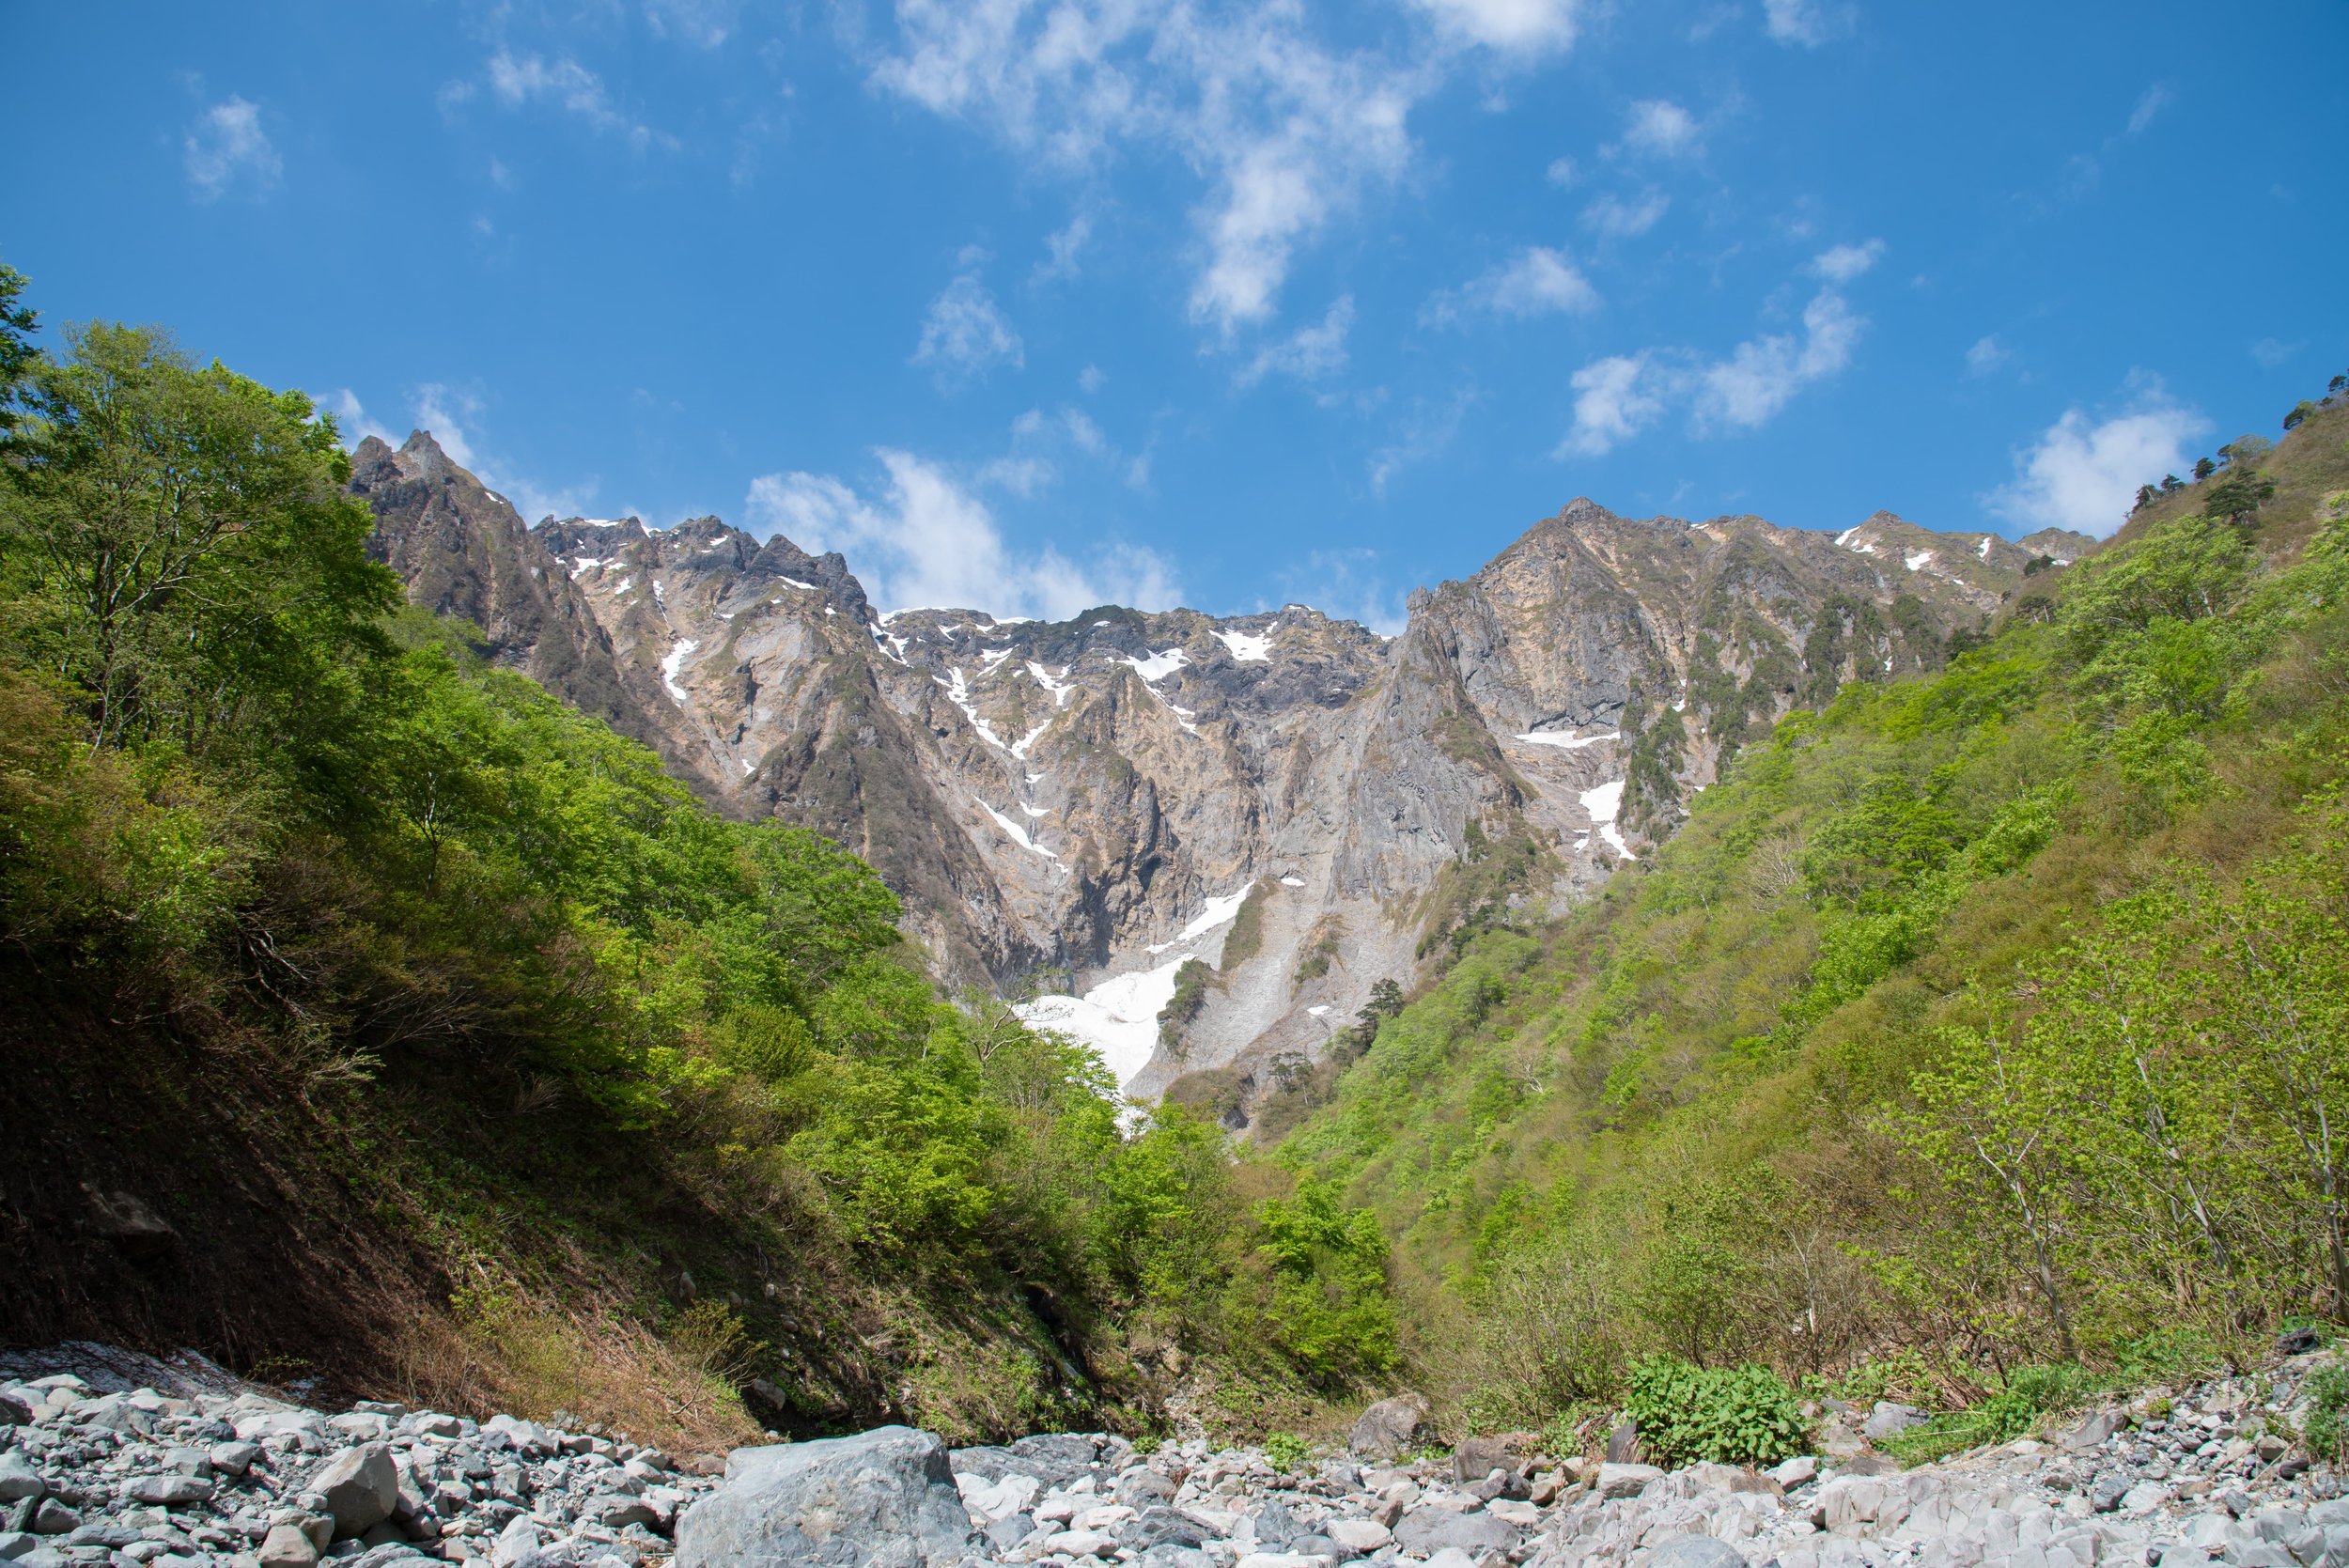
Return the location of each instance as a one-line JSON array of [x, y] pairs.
[[1294, 804]]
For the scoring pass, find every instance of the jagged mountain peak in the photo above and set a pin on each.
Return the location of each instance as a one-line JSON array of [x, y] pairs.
[[1090, 803]]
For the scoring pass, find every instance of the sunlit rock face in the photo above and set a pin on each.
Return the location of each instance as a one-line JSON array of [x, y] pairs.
[[1071, 811]]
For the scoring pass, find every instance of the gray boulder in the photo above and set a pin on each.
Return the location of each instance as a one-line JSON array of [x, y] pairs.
[[361, 1487], [1426, 1531], [1693, 1551], [883, 1499], [1388, 1429], [18, 1479], [1887, 1418]]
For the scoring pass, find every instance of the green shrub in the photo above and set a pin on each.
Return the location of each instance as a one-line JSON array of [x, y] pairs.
[[1285, 1450], [2028, 1394], [2326, 1430], [1729, 1415]]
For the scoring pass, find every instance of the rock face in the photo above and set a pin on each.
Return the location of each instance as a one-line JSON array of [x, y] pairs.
[[1081, 808], [883, 1497]]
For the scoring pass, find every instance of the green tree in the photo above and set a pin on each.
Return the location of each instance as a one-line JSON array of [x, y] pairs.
[[2238, 497], [18, 322], [179, 550]]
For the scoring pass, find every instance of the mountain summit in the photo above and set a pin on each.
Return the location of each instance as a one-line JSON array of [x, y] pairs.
[[1267, 814]]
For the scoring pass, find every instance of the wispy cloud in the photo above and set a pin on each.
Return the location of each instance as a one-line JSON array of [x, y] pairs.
[[2273, 354], [1986, 355], [1537, 281], [924, 539], [1283, 132], [453, 418], [227, 148], [1614, 218], [2150, 102], [1659, 128], [1344, 584], [1806, 22], [1062, 248], [521, 79], [1618, 397], [1311, 353], [1514, 26], [966, 334], [2082, 473], [1424, 431]]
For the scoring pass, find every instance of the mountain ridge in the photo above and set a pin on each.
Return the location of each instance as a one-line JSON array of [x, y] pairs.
[[1063, 805]]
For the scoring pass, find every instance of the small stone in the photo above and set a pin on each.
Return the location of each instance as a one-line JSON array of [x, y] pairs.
[[1888, 1419], [169, 1490], [53, 1517]]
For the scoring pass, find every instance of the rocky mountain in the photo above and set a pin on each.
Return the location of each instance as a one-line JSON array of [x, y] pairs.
[[1074, 812]]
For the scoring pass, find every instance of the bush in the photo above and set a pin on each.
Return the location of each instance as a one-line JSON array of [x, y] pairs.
[[2326, 1430], [1729, 1415], [2028, 1394], [1285, 1450]]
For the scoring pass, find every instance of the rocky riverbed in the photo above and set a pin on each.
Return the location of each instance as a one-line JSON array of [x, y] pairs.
[[119, 1460]]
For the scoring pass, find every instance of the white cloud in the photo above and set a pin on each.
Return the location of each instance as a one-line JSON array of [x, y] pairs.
[[2273, 352], [1562, 172], [1614, 218], [1529, 26], [925, 540], [226, 145], [1061, 250], [2150, 103], [1093, 379], [1986, 355], [1537, 281], [1619, 397], [2084, 475], [453, 418], [1283, 132], [1615, 399], [521, 79], [1762, 376], [1661, 129], [1846, 263], [1804, 22], [352, 420], [1311, 353], [704, 22], [965, 335]]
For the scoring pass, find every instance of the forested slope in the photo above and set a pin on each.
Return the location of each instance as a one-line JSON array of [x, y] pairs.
[[1979, 1019], [375, 1019]]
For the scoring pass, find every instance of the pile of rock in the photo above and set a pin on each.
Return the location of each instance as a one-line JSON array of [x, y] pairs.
[[150, 1477], [190, 1477]]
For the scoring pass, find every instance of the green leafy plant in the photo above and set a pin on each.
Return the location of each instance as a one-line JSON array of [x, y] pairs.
[[2326, 1429], [1285, 1450], [2027, 1394], [1729, 1415]]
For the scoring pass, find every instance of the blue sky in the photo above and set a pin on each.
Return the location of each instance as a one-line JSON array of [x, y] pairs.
[[1032, 305]]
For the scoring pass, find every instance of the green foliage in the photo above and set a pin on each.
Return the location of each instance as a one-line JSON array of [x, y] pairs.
[[1328, 1300], [237, 774], [1741, 1415], [1286, 1452], [2326, 1429], [2022, 1399], [1973, 1022]]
